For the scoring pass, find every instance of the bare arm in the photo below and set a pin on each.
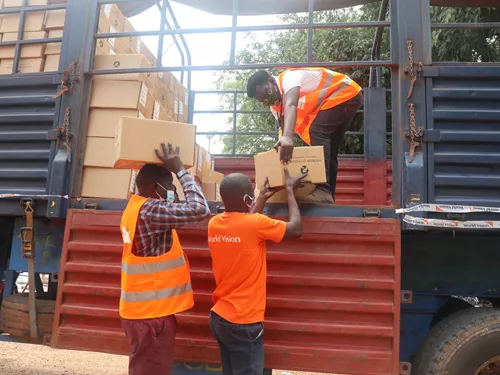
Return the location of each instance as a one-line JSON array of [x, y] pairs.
[[294, 223], [291, 103]]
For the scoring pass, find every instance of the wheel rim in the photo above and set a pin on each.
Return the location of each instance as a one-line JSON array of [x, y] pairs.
[[491, 367]]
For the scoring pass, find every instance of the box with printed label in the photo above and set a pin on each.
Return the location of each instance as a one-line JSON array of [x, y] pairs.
[[203, 162], [122, 47], [160, 113], [108, 183], [35, 21], [282, 197], [27, 51], [115, 17], [53, 48], [144, 50], [55, 19], [25, 65], [137, 139], [19, 3], [99, 152], [104, 23], [122, 95], [102, 47], [211, 191], [304, 159], [110, 62], [103, 122], [51, 63]]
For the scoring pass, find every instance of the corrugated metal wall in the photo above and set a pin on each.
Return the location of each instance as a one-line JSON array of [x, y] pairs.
[[27, 112], [464, 161], [333, 296], [351, 189]]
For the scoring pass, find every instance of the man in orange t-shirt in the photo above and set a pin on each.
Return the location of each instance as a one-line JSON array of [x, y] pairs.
[[237, 240]]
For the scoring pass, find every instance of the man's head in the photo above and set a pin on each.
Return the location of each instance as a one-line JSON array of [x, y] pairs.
[[263, 87], [237, 192], [153, 181]]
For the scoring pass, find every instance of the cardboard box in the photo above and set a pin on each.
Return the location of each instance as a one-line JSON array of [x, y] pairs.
[[203, 163], [104, 24], [115, 17], [211, 191], [122, 95], [148, 54], [103, 122], [55, 19], [102, 47], [282, 197], [137, 139], [19, 3], [27, 51], [35, 21], [123, 61], [213, 176], [123, 47], [52, 63], [108, 183], [25, 65], [53, 48], [160, 113], [99, 152], [305, 159]]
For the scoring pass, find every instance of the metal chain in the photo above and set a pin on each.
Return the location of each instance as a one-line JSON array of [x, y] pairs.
[[411, 64]]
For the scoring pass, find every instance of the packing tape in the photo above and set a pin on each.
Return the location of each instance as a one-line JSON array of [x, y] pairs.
[[457, 209], [439, 223]]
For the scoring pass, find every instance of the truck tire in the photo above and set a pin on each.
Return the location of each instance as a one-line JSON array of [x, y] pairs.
[[465, 343]]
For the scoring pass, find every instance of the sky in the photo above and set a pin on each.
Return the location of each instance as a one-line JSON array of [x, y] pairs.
[[206, 49]]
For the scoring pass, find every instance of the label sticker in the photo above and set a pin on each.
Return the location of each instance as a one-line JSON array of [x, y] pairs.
[[181, 109], [111, 52], [144, 95], [176, 107], [107, 9], [156, 114]]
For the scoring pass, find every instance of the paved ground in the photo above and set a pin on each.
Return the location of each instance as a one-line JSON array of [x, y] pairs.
[[26, 359]]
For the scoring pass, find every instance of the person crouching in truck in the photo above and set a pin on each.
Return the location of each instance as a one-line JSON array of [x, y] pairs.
[[316, 103], [237, 242], [155, 279]]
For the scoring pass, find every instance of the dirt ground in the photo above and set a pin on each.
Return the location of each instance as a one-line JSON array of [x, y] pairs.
[[26, 359]]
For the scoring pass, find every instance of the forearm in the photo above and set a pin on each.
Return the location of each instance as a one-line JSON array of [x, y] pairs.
[[258, 206], [290, 120], [294, 218]]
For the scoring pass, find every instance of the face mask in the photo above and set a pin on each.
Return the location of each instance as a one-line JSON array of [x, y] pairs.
[[249, 201], [270, 101], [170, 194]]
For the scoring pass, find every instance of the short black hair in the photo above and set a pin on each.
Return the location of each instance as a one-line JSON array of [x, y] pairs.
[[152, 173], [234, 186], [257, 79]]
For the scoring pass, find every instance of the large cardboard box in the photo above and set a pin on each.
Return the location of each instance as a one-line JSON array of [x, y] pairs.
[[102, 47], [104, 23], [144, 50], [99, 152], [305, 159], [35, 21], [115, 17], [108, 183], [123, 47], [55, 19], [282, 197], [51, 63], [19, 3], [124, 61], [103, 122], [27, 51], [203, 163], [25, 65], [53, 48], [137, 139], [122, 95], [211, 191], [160, 113]]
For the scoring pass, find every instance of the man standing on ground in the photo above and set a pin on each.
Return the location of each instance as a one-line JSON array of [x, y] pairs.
[[237, 242], [155, 281], [316, 103]]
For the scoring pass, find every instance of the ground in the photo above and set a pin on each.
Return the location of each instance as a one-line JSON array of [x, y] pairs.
[[26, 359]]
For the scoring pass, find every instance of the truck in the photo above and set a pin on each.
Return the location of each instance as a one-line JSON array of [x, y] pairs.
[[398, 278]]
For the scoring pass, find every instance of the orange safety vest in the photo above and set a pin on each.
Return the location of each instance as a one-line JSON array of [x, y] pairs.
[[333, 90], [152, 287]]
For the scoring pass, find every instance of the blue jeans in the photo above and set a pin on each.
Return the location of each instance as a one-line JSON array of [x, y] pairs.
[[241, 346]]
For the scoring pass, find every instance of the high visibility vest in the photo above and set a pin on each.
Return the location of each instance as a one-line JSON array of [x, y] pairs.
[[333, 90], [152, 287]]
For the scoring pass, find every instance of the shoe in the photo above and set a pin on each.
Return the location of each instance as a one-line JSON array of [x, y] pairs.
[[318, 196]]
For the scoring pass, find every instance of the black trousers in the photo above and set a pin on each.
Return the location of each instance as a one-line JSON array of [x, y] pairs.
[[328, 130]]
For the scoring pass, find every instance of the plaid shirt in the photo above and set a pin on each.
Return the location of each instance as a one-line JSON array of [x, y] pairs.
[[153, 234]]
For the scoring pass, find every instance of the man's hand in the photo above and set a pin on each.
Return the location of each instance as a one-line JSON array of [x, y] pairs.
[[170, 157], [285, 145], [266, 192], [293, 182]]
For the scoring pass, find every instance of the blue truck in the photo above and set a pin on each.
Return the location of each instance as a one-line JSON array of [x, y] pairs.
[[399, 278]]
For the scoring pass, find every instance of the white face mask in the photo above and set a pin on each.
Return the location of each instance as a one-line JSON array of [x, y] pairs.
[[170, 194]]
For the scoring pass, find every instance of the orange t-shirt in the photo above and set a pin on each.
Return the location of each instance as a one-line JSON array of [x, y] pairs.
[[237, 243]]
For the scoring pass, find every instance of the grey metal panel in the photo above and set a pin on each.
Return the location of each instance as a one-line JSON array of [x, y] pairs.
[[27, 113], [464, 157]]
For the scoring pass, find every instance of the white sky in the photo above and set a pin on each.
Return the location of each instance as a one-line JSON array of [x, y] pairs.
[[206, 49]]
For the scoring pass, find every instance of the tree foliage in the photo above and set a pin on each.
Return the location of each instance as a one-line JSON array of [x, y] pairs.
[[353, 44]]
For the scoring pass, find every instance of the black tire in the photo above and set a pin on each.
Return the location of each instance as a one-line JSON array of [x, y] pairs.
[[461, 344]]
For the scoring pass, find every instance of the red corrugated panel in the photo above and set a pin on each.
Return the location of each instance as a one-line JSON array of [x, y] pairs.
[[353, 187], [333, 296]]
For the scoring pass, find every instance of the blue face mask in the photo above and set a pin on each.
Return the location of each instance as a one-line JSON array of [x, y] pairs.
[[170, 194]]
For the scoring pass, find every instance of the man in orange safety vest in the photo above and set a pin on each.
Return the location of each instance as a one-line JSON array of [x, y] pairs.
[[316, 103], [155, 278]]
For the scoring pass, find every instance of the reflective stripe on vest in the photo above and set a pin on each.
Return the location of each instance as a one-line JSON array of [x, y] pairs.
[[333, 90], [152, 287]]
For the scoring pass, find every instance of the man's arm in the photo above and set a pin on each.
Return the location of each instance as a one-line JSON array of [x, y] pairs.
[[294, 224], [290, 111]]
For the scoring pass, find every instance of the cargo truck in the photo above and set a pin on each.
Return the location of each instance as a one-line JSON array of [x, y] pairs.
[[368, 289]]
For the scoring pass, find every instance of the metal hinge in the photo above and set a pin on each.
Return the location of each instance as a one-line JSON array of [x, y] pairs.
[[406, 296], [404, 368], [372, 213]]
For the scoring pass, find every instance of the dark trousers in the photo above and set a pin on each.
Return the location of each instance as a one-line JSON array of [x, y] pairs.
[[151, 345], [241, 346], [328, 130]]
